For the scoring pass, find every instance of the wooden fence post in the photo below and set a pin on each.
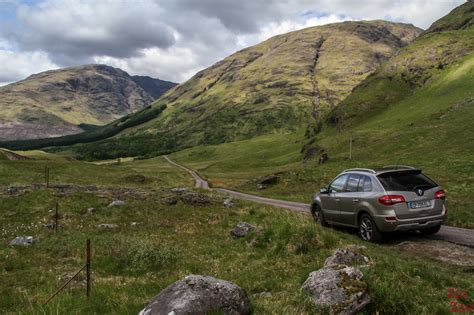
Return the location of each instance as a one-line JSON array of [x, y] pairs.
[[88, 268], [56, 218]]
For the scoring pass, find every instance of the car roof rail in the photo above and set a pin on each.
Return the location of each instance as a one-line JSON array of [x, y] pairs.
[[368, 170], [399, 167]]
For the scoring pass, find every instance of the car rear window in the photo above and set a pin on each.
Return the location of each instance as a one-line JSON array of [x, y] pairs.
[[405, 181]]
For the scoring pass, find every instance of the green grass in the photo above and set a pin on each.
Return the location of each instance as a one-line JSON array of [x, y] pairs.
[[426, 129], [133, 263]]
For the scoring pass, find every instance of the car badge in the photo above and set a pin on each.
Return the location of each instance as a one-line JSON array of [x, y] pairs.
[[419, 192]]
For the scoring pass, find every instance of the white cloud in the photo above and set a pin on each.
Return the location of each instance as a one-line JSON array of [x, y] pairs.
[[15, 66]]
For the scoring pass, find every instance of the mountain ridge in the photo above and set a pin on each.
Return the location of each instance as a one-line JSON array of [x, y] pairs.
[[59, 102]]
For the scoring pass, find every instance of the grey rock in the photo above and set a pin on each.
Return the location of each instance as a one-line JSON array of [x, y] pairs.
[[195, 199], [108, 226], [49, 226], [243, 229], [343, 290], [116, 203], [169, 201], [134, 224], [22, 241], [229, 203], [196, 294], [90, 210], [346, 256]]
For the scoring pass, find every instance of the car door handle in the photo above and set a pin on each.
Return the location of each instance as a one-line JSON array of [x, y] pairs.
[[337, 199], [355, 200]]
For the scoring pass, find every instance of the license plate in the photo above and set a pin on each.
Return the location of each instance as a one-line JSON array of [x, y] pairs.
[[419, 204]]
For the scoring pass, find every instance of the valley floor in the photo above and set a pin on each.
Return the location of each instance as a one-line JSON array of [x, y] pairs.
[[155, 244]]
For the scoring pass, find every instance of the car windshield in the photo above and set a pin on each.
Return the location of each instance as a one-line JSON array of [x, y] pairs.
[[405, 181]]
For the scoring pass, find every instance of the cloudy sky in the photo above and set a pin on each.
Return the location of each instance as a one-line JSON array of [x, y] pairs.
[[170, 39]]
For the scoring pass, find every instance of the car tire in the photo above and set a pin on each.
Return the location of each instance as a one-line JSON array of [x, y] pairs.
[[318, 215], [368, 231], [432, 230]]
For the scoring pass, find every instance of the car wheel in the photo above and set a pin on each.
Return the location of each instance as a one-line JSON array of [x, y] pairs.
[[368, 231], [318, 215], [432, 230]]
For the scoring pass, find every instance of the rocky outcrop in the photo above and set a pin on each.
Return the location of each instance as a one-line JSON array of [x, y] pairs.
[[195, 198], [242, 229], [196, 294]]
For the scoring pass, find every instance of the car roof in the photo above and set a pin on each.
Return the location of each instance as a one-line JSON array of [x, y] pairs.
[[381, 170]]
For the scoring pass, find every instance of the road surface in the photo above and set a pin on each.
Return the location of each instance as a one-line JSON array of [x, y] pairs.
[[450, 234]]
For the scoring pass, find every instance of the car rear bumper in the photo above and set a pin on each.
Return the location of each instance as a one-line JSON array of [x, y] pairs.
[[408, 224]]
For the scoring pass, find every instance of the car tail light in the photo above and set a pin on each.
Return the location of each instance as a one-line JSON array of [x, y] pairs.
[[440, 194], [389, 200]]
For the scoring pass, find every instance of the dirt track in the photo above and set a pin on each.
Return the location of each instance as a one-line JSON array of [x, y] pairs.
[[450, 234]]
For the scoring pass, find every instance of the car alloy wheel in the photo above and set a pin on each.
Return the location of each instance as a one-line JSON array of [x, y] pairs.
[[366, 229]]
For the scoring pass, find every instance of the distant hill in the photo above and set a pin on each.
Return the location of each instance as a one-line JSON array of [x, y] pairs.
[[154, 87], [71, 100]]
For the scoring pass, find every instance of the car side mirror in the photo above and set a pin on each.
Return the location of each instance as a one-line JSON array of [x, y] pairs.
[[324, 190]]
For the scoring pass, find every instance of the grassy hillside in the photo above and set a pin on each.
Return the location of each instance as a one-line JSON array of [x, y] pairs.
[[133, 263]]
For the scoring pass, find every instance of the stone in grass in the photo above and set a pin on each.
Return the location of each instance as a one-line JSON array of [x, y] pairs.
[[116, 203], [346, 256], [196, 294], [169, 201], [342, 289], [108, 226], [242, 229], [22, 241], [90, 210], [229, 203]]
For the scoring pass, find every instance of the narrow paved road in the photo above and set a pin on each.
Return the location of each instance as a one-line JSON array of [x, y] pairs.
[[451, 234]]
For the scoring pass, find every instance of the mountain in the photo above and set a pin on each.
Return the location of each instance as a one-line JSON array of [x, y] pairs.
[[448, 42], [154, 87], [69, 101], [280, 84]]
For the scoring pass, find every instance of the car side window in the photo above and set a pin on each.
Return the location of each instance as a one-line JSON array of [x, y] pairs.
[[365, 184], [338, 184], [353, 183]]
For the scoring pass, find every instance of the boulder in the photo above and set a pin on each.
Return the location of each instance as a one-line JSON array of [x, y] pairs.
[[342, 289], [22, 241], [196, 294], [346, 256], [228, 203], [242, 229], [116, 203], [108, 226], [90, 210], [195, 199]]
